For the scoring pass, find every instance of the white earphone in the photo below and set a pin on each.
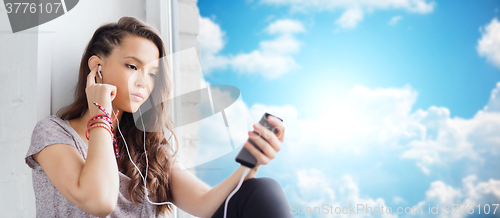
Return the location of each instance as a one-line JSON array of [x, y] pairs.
[[99, 72]]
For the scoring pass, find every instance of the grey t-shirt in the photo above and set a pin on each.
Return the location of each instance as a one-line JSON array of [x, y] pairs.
[[49, 201]]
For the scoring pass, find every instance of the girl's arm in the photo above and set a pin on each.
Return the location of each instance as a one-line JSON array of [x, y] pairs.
[[197, 198], [93, 184]]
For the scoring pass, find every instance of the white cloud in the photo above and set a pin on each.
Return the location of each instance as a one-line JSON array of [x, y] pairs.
[[381, 119], [440, 192], [394, 20], [472, 193], [211, 43], [282, 45], [314, 189], [285, 26], [272, 59], [211, 36], [350, 18], [368, 120], [354, 10], [364, 118], [446, 140], [268, 65], [489, 44], [310, 181], [494, 102]]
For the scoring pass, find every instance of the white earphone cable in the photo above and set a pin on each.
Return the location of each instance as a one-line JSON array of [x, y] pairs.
[[147, 164], [245, 172]]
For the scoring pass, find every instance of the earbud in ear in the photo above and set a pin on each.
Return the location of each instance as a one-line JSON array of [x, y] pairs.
[[99, 72]]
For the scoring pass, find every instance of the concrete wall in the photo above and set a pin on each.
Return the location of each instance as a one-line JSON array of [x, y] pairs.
[[18, 116], [39, 69]]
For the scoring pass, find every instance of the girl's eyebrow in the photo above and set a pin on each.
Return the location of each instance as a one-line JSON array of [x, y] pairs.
[[138, 60]]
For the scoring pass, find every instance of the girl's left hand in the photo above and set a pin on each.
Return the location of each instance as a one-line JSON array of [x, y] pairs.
[[266, 140]]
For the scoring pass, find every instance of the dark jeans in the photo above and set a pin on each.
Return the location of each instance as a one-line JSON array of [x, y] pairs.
[[257, 198]]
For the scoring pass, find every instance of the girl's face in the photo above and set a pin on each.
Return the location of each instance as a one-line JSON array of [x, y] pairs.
[[132, 68]]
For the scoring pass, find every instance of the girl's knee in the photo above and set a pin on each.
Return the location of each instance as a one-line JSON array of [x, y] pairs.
[[265, 187], [263, 183], [267, 198]]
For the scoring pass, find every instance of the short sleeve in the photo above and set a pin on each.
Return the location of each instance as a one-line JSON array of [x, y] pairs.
[[46, 132]]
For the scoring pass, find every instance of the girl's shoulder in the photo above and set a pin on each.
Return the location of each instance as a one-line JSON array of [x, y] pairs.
[[53, 124], [48, 131], [50, 120]]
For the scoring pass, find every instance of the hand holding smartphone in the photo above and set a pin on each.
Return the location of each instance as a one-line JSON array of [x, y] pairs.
[[244, 157]]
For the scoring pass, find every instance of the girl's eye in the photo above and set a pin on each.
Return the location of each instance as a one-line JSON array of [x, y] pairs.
[[133, 67], [153, 75]]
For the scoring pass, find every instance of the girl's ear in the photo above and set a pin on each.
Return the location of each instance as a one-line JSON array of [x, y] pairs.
[[93, 61]]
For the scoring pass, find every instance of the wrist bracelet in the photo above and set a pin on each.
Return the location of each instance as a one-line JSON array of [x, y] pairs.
[[99, 117], [104, 119], [98, 120], [97, 125]]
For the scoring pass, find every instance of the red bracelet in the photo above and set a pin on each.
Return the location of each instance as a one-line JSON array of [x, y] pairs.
[[92, 122], [107, 118], [98, 125], [104, 110], [99, 117]]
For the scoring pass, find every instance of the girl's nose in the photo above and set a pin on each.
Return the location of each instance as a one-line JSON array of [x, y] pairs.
[[139, 80]]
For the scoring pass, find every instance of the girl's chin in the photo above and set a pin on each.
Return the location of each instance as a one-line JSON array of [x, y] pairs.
[[129, 109], [134, 108]]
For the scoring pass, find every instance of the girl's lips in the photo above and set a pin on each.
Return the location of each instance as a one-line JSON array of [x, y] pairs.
[[137, 97]]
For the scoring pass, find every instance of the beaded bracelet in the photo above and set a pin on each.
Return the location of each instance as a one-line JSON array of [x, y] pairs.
[[117, 151], [97, 125], [99, 117], [104, 111], [107, 119], [98, 120]]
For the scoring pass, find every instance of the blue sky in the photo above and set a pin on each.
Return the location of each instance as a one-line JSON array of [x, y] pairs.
[[434, 53], [384, 103]]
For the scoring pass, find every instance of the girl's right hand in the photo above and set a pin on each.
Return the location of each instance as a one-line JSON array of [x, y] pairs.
[[103, 94]]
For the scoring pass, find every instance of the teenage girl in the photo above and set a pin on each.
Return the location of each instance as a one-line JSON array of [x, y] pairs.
[[93, 158]]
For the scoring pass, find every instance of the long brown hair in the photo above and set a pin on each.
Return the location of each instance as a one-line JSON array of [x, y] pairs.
[[160, 152]]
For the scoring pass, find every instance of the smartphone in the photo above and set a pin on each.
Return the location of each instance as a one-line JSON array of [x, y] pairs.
[[244, 157]]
